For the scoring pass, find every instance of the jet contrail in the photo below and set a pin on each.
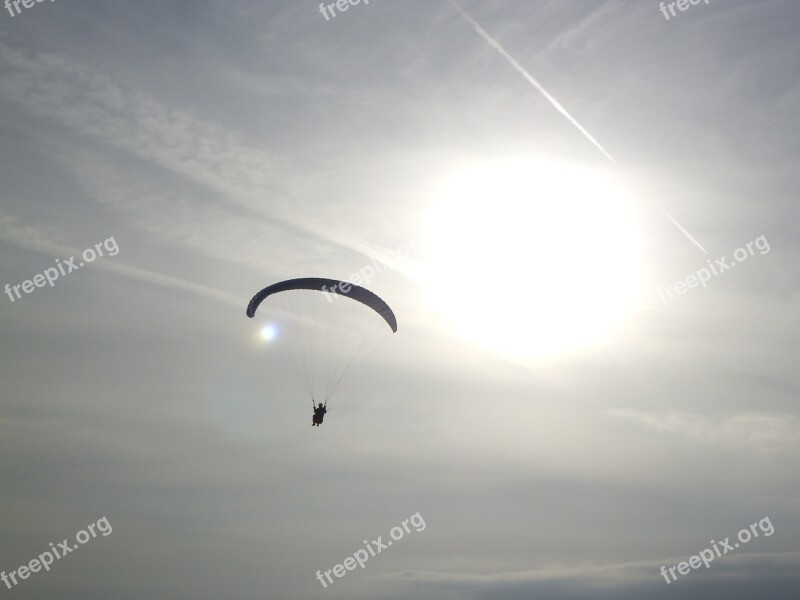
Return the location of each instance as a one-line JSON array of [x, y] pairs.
[[556, 104], [679, 226], [512, 61]]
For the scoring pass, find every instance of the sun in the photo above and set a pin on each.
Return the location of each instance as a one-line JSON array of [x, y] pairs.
[[532, 259]]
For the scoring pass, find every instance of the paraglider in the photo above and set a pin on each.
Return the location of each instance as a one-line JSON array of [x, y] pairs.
[[319, 414], [320, 327]]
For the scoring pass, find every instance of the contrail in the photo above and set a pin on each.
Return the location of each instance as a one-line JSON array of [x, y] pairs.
[[513, 62], [681, 227], [556, 104]]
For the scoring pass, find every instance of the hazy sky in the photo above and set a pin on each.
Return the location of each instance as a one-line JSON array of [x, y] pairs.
[[564, 404]]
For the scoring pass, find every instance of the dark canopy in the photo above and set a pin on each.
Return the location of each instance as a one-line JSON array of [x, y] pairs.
[[331, 286]]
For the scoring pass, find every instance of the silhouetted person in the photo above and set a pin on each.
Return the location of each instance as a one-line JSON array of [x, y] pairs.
[[319, 414]]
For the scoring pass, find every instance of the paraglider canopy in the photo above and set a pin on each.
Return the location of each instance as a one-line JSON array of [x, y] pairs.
[[320, 327], [327, 286]]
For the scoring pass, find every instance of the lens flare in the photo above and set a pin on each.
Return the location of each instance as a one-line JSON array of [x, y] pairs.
[[269, 332]]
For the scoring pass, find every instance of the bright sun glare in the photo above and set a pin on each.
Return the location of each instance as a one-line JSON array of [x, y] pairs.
[[530, 259]]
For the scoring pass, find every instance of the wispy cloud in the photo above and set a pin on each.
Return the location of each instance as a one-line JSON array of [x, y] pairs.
[[759, 431], [633, 579], [177, 140]]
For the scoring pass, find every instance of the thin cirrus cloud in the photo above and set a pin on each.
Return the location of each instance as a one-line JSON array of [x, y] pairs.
[[175, 140], [738, 574], [757, 431]]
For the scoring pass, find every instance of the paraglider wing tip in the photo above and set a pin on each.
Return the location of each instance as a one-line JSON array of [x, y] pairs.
[[254, 302]]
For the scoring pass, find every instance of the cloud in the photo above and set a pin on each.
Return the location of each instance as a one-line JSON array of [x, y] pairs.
[[173, 139], [759, 431], [738, 575]]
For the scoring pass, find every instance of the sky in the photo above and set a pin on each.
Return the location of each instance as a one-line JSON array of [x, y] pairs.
[[583, 215]]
